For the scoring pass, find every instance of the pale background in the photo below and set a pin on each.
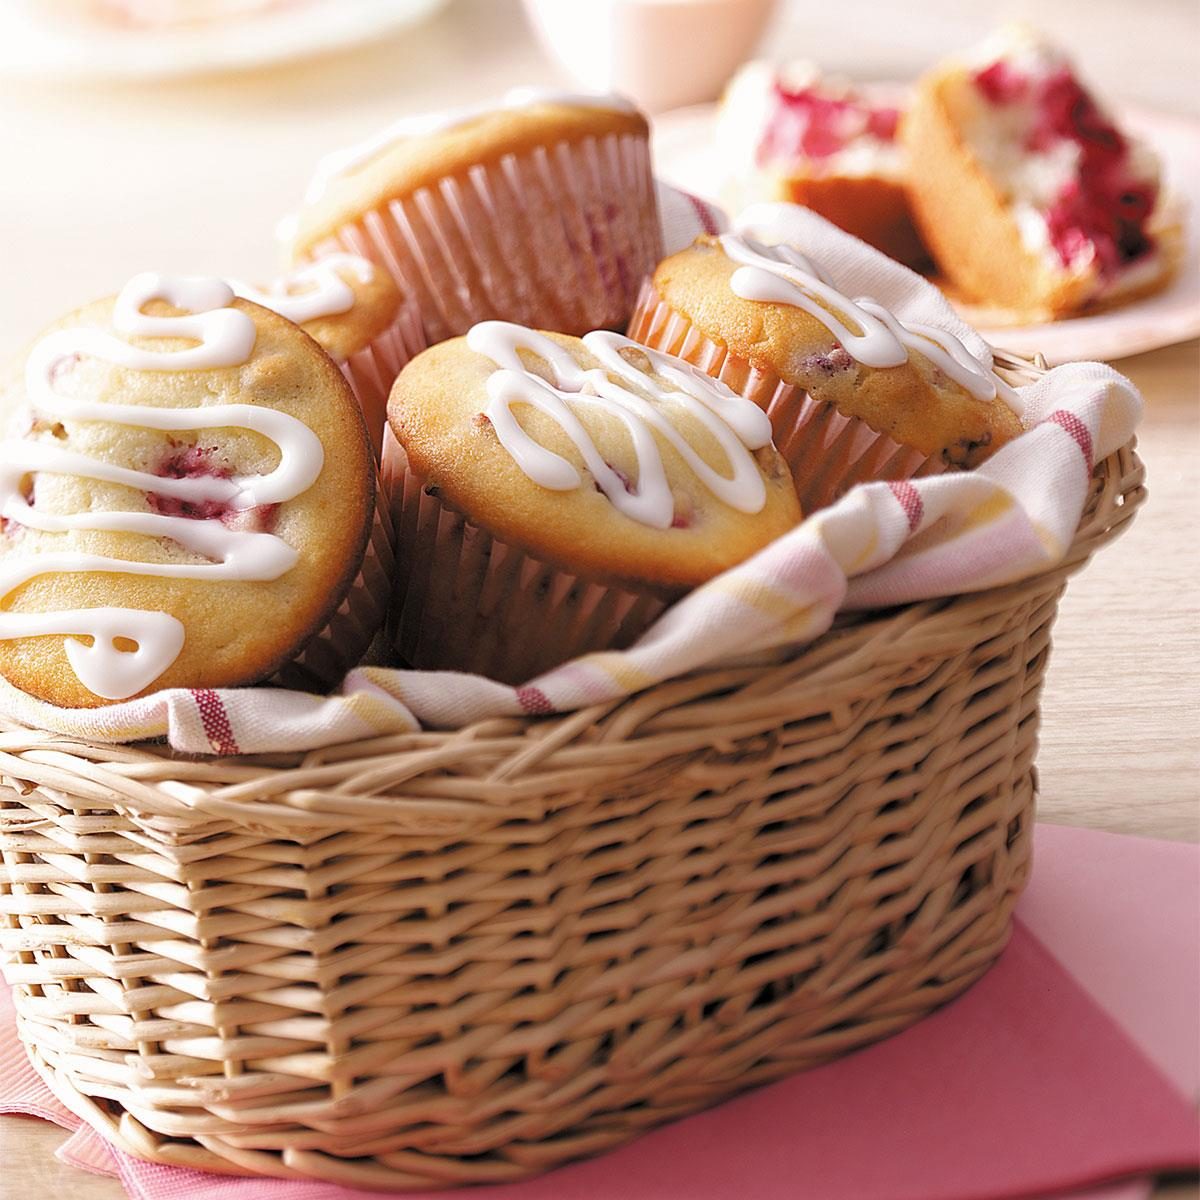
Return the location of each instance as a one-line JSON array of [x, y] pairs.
[[97, 183]]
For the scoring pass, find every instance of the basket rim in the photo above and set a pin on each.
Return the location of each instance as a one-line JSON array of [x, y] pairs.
[[1116, 490], [158, 782]]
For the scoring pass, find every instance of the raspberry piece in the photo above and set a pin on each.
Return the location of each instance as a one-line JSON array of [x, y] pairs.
[[1001, 83], [807, 124], [838, 359], [882, 123], [190, 462], [1102, 212]]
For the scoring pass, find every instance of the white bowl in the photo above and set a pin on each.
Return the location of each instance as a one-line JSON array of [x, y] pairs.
[[660, 53], [37, 41]]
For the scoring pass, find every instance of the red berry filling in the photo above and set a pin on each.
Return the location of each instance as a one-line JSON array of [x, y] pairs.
[[195, 462], [1001, 83], [626, 482], [9, 527], [684, 516], [63, 366], [838, 359], [190, 462], [1105, 209], [882, 123], [807, 124]]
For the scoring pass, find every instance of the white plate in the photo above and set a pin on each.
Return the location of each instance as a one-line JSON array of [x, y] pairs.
[[685, 156], [35, 40]]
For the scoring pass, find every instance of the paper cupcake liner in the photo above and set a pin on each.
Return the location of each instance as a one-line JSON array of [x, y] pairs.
[[556, 238], [467, 601], [343, 641], [372, 370], [828, 453]]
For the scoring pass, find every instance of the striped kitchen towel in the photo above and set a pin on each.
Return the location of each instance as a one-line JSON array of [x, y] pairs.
[[881, 544]]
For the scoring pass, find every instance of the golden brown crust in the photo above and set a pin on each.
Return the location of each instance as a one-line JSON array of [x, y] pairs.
[[914, 403], [435, 413], [965, 219], [419, 162], [871, 207], [236, 632], [377, 305]]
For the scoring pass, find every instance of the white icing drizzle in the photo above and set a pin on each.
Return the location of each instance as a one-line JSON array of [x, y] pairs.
[[339, 162], [316, 290], [781, 274], [946, 352], [224, 337], [738, 425]]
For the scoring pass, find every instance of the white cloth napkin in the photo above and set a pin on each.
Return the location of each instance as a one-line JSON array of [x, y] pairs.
[[881, 544]]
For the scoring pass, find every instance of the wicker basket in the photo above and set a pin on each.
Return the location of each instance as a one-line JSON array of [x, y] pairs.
[[443, 958]]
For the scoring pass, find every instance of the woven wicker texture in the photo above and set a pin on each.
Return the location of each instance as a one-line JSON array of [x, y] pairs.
[[453, 957]]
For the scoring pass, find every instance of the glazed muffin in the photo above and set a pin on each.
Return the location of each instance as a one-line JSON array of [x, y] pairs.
[[852, 393], [358, 316], [188, 500], [540, 209], [787, 134], [552, 495], [1029, 195]]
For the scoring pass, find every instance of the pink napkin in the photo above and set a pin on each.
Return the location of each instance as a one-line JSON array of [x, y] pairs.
[[1069, 1064]]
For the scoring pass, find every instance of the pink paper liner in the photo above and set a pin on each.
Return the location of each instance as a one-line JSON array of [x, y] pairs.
[[556, 238], [341, 643], [827, 452], [372, 370], [467, 601]]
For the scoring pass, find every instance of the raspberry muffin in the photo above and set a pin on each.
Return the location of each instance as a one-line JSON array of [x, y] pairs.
[[552, 495], [852, 393], [358, 316], [788, 134], [187, 496], [1027, 192], [539, 209]]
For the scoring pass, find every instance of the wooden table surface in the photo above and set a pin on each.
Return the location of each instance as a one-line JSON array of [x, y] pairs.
[[97, 183]]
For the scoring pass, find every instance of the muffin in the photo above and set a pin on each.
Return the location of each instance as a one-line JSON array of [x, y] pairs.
[[786, 133], [540, 209], [552, 495], [188, 500], [852, 394], [358, 316], [1029, 195]]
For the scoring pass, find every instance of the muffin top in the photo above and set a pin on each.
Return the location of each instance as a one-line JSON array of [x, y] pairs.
[[416, 152], [343, 302], [186, 490], [777, 309], [613, 462]]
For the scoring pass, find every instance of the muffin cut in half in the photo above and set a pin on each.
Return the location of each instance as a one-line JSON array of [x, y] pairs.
[[1027, 192], [788, 134]]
